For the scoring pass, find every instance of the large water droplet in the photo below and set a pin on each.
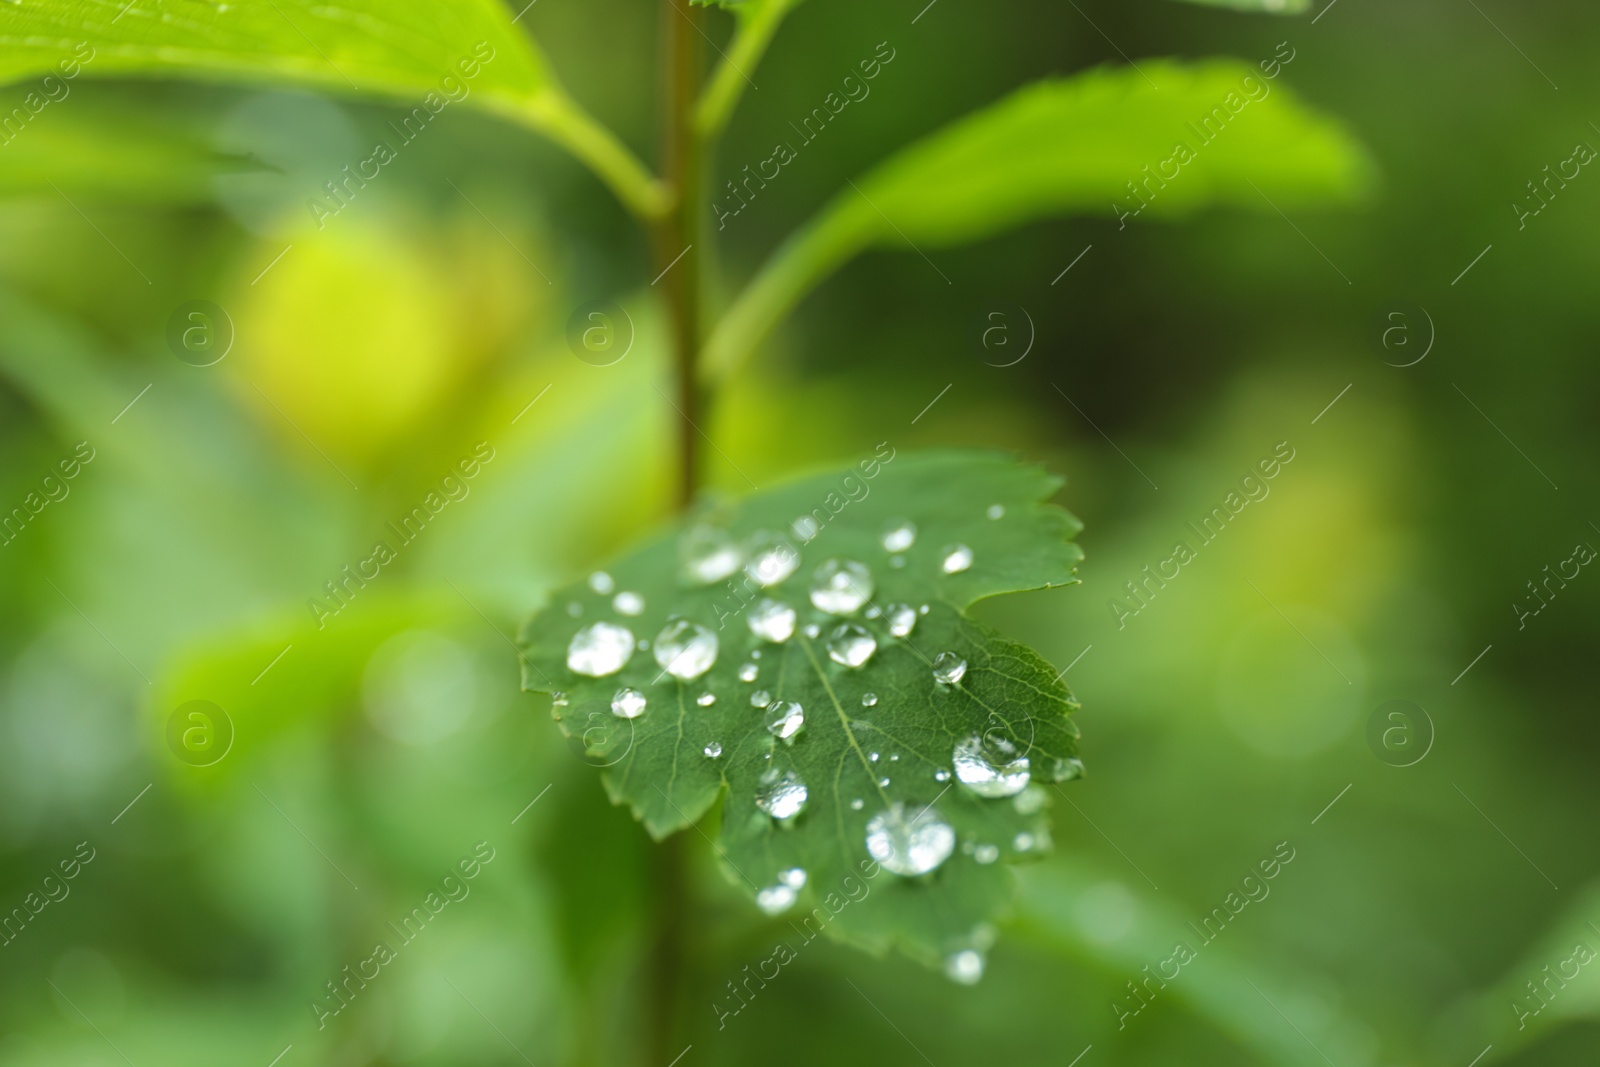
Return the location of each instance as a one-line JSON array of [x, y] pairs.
[[772, 558], [991, 766], [948, 668], [869, 699], [714, 749], [709, 555], [957, 558], [785, 718], [781, 795], [628, 603], [628, 704], [804, 528], [902, 619], [685, 649], [899, 535], [601, 583], [771, 620], [1065, 770], [748, 672], [965, 966], [705, 700], [840, 587], [600, 649], [909, 845], [851, 645], [776, 899]]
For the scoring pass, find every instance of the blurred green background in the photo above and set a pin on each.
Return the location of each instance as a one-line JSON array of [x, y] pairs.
[[1223, 719]]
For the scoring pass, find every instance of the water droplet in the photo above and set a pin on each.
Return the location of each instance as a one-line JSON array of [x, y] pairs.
[[558, 699], [785, 718], [628, 603], [705, 700], [899, 535], [755, 653], [771, 620], [574, 609], [772, 558], [628, 704], [781, 795], [851, 645], [996, 511], [714, 749], [685, 649], [776, 899], [948, 668], [857, 804], [841, 587], [804, 528], [941, 775], [957, 558], [601, 583], [748, 672], [897, 562], [872, 757], [873, 611], [760, 698], [894, 757], [709, 555], [1022, 842], [1030, 801], [1065, 770], [965, 967], [902, 619], [909, 845], [991, 766], [812, 629], [884, 782], [600, 649], [986, 854], [923, 610], [869, 699]]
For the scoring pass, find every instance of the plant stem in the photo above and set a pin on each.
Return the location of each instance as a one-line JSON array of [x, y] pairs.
[[758, 21], [674, 235], [679, 229]]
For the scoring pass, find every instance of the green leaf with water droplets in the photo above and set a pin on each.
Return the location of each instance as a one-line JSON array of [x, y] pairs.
[[892, 684]]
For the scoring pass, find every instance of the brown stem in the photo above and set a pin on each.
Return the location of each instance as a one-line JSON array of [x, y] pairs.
[[679, 229], [678, 263]]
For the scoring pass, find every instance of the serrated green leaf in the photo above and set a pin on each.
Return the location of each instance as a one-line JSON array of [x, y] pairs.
[[1270, 7], [463, 53], [896, 751], [1064, 147]]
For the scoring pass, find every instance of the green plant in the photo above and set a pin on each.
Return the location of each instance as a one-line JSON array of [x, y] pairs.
[[1068, 146]]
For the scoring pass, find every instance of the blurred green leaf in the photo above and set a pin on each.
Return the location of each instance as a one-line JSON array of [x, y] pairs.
[[789, 722], [432, 54], [1072, 146], [758, 23], [109, 149]]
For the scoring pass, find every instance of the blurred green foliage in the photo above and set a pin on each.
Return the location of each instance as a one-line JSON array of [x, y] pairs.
[[372, 353]]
